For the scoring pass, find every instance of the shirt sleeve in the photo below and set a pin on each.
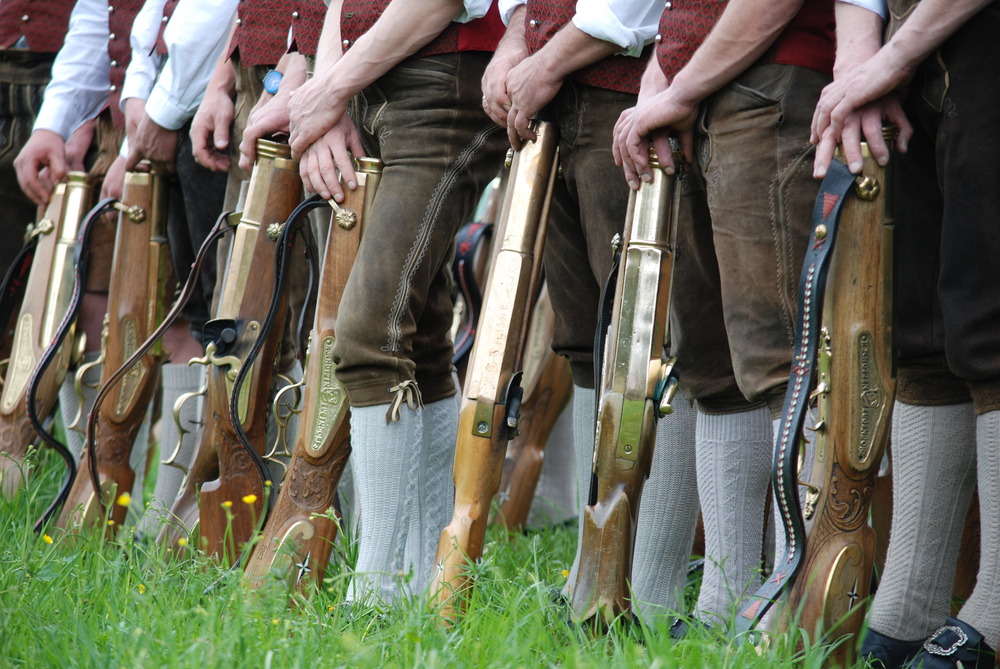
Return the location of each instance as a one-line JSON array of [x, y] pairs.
[[507, 8], [145, 63], [196, 36], [630, 24], [473, 9], [81, 74], [880, 7]]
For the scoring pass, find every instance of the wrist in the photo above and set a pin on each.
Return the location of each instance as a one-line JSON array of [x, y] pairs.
[[683, 91]]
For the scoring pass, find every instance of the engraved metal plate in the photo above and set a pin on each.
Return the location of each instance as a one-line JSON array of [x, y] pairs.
[[130, 383], [22, 362], [331, 398]]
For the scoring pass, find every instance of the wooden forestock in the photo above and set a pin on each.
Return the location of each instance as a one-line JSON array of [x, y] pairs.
[[47, 297], [136, 294], [854, 402], [633, 368], [297, 540], [483, 428], [547, 387], [227, 522]]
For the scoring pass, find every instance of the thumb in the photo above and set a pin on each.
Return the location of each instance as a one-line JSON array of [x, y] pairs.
[[221, 136]]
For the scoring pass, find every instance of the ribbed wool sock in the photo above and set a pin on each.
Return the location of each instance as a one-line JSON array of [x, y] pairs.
[[384, 468], [734, 468], [933, 472], [176, 381], [69, 403], [137, 461], [435, 491], [805, 472], [982, 610], [583, 446], [556, 495], [668, 513]]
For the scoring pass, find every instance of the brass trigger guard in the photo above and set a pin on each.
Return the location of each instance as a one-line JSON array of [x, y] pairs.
[[210, 358], [280, 446], [78, 385], [178, 407]]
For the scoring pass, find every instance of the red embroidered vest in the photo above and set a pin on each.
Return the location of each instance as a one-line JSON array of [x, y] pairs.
[[43, 23], [261, 35], [168, 10], [807, 41], [121, 15], [483, 34], [544, 18]]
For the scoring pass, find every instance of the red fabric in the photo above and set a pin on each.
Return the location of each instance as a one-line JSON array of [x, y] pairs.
[[121, 15], [168, 10], [808, 41], [358, 16], [261, 35], [544, 18], [45, 28]]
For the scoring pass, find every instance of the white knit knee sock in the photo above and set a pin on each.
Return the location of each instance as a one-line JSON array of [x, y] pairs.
[[176, 380], [583, 446], [804, 474], [667, 516], [385, 459], [982, 610], [435, 491], [734, 468], [933, 465], [556, 495]]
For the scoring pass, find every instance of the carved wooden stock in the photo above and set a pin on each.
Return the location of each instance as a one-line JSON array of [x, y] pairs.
[[136, 293], [632, 386], [275, 190], [47, 297], [297, 541], [491, 394], [547, 388], [854, 393]]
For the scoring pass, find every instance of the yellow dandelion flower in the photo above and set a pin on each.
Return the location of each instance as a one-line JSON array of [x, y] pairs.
[[182, 542], [249, 499], [330, 608], [274, 621], [267, 483], [46, 538], [141, 588], [565, 573], [124, 499], [110, 522], [227, 504]]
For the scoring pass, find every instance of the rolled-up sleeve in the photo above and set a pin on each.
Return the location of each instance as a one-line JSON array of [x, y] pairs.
[[630, 24], [507, 8], [81, 74], [880, 7], [473, 9]]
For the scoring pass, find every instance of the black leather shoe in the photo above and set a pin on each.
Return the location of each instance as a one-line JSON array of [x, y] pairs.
[[884, 651], [955, 644]]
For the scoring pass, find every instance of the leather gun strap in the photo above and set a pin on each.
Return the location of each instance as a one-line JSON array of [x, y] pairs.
[[606, 306], [812, 284], [15, 281], [467, 243]]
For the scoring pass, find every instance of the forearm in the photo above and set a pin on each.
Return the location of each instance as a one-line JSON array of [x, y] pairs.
[[330, 49], [404, 27], [932, 22], [571, 49], [859, 37], [746, 29]]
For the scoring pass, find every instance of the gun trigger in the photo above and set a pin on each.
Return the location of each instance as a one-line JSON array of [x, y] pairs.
[[512, 401]]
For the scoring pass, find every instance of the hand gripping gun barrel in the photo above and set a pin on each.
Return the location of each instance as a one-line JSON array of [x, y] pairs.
[[136, 294], [48, 263], [298, 537], [491, 396], [636, 387], [843, 361], [223, 470]]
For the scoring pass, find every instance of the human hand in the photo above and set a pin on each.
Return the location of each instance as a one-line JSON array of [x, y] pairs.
[[531, 85], [210, 130], [653, 121], [78, 145], [41, 164], [114, 180], [154, 143], [496, 98], [313, 111], [863, 123], [333, 152]]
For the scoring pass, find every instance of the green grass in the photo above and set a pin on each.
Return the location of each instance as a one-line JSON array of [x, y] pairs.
[[82, 602]]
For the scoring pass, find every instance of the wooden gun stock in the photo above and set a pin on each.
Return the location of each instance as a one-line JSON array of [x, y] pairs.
[[47, 297], [633, 383], [548, 386], [136, 295], [491, 396], [297, 540], [275, 190], [854, 393]]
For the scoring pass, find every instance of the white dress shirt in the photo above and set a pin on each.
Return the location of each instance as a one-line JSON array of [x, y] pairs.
[[880, 7], [631, 24], [81, 74]]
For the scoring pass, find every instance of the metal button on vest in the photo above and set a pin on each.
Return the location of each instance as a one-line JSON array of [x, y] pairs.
[[165, 19], [113, 88], [111, 36], [110, 9], [25, 18], [346, 43], [533, 23], [659, 38], [295, 15], [670, 5], [239, 22], [114, 63]]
